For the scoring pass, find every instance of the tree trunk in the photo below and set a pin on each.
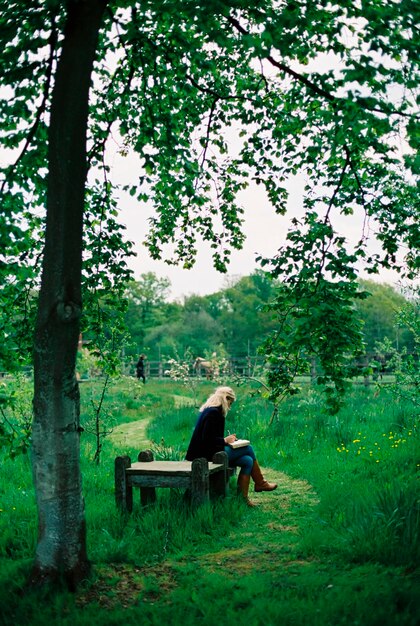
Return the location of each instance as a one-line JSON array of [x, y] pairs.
[[61, 550]]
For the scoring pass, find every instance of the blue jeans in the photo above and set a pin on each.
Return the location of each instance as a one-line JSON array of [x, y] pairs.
[[241, 457]]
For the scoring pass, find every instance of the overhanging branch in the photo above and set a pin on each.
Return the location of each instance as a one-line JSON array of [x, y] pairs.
[[323, 93], [287, 70], [43, 105]]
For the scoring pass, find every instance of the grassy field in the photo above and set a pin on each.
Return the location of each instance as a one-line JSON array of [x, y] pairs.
[[336, 544]]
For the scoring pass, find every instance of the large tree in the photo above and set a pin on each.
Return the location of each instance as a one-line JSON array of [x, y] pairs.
[[178, 81]]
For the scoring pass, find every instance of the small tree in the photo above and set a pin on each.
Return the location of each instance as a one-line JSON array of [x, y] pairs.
[[404, 365], [16, 415], [180, 370], [316, 319]]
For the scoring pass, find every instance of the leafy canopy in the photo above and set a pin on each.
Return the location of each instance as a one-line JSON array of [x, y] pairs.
[[214, 96]]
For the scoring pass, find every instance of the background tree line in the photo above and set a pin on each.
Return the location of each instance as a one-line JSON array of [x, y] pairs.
[[236, 320]]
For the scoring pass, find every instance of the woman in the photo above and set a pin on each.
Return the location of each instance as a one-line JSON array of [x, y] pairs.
[[208, 438]]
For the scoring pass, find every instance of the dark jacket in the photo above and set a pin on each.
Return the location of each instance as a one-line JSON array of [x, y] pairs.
[[208, 435]]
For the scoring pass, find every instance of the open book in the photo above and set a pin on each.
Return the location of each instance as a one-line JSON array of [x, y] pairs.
[[240, 443]]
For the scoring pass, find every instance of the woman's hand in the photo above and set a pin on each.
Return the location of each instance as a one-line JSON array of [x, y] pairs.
[[230, 438]]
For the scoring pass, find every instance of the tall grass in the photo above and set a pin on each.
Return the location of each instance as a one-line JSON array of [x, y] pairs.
[[361, 463]]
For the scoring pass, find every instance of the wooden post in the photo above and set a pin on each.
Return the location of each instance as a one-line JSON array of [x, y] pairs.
[[147, 494], [366, 377], [123, 491], [219, 481], [313, 370], [199, 482]]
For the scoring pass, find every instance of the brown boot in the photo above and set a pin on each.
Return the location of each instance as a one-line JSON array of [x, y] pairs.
[[243, 488], [260, 483]]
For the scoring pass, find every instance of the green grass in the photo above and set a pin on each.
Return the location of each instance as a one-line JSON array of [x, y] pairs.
[[336, 543]]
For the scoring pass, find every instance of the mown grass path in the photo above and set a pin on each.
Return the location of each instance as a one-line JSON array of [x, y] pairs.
[[264, 541], [132, 434]]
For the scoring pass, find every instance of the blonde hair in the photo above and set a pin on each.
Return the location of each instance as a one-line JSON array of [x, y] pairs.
[[220, 398]]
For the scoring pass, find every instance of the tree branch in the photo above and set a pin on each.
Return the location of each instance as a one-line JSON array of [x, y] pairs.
[[339, 184], [313, 86], [209, 123], [324, 248], [356, 175], [7, 421], [42, 107], [99, 144], [287, 70]]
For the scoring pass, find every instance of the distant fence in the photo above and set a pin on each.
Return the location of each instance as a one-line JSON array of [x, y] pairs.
[[239, 366], [370, 367]]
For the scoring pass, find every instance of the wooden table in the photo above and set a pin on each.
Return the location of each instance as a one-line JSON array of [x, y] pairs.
[[200, 478]]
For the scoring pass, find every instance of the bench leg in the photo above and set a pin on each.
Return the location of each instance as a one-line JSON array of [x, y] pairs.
[[147, 494], [123, 490], [219, 481], [199, 482]]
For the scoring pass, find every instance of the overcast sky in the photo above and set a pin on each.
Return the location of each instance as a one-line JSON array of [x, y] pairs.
[[265, 232]]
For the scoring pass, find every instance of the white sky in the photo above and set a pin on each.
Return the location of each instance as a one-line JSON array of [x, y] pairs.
[[265, 232]]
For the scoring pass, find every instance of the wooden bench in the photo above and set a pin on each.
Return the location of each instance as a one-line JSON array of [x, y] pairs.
[[201, 479]]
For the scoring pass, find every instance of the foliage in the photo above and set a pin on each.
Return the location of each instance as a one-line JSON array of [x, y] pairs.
[[316, 320], [235, 69], [173, 81], [194, 330], [238, 318], [15, 415], [378, 312], [145, 299], [406, 366]]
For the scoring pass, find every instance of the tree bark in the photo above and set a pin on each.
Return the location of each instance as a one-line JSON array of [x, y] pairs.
[[61, 553]]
